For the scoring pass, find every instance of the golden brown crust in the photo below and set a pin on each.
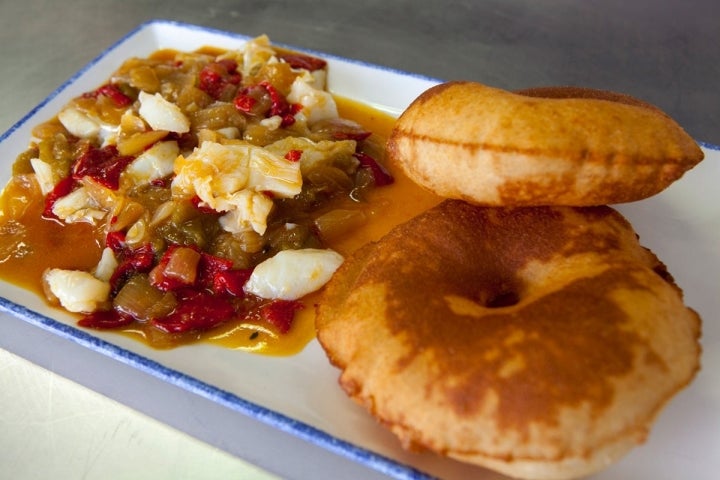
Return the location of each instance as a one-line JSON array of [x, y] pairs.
[[545, 146], [540, 342], [569, 91]]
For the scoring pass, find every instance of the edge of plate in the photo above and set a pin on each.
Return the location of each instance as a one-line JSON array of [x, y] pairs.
[[190, 383], [709, 146]]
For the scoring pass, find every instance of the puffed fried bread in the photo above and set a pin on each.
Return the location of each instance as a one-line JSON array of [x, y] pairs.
[[553, 146]]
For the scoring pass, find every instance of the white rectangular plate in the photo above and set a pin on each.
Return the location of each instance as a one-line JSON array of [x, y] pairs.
[[300, 395]]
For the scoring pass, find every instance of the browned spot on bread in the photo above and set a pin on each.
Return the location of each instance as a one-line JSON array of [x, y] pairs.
[[546, 338]]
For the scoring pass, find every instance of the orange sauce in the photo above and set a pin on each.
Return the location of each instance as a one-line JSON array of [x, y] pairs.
[[29, 245]]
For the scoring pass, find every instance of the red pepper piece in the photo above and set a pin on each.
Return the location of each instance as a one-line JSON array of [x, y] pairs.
[[341, 129], [278, 103], [196, 201], [351, 135], [105, 320], [288, 118], [380, 175], [280, 313], [244, 103], [115, 94], [196, 312], [299, 60], [209, 266], [138, 260], [253, 100], [216, 274], [104, 165], [293, 155], [231, 281], [233, 77], [280, 106], [231, 68], [210, 80], [218, 79], [116, 242], [62, 188], [265, 100], [159, 279]]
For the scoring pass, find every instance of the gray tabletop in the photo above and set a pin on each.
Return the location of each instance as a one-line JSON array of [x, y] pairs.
[[665, 52]]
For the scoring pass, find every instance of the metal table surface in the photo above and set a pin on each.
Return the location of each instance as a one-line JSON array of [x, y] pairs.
[[87, 414]]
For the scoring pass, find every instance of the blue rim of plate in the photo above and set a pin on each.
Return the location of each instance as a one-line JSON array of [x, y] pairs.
[[709, 146], [174, 377], [268, 416]]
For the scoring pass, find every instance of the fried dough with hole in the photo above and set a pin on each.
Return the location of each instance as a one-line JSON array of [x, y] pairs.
[[538, 342]]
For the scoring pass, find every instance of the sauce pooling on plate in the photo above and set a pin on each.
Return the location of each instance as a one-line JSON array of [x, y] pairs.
[[156, 205]]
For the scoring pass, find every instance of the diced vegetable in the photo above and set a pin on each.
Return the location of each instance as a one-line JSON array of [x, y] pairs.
[[104, 165], [115, 94], [380, 175], [338, 222], [280, 313], [139, 299], [178, 268], [138, 142], [131, 261], [220, 79], [307, 62], [199, 311]]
